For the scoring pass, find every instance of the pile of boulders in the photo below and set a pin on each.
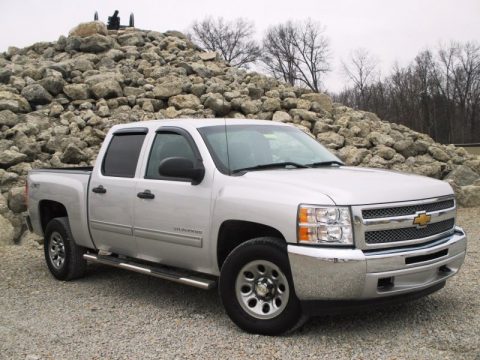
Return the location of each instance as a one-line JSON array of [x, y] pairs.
[[58, 100]]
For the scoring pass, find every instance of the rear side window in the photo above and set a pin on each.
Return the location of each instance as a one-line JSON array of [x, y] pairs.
[[122, 155]]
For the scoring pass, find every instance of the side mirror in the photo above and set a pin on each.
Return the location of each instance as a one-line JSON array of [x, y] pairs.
[[180, 167]]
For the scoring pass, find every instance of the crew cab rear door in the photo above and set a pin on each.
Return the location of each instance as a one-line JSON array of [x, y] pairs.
[[173, 221], [112, 192]]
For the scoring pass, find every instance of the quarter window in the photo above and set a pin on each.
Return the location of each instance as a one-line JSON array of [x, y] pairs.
[[122, 155]]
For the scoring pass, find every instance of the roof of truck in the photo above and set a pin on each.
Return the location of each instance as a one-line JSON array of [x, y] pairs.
[[196, 123]]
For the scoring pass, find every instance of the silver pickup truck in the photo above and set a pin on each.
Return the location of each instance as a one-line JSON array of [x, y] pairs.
[[284, 227]]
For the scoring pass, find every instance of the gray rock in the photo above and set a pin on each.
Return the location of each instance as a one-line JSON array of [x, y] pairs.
[[384, 152], [73, 155], [469, 196], [377, 138], [107, 89], [7, 178], [76, 91], [13, 102], [405, 147], [89, 29], [11, 157], [53, 84], [324, 101], [95, 43], [331, 140], [184, 101], [251, 106], [462, 175], [352, 156], [8, 118], [271, 104], [218, 104], [5, 75], [7, 232], [281, 116], [167, 89], [3, 205], [131, 39], [208, 56], [438, 154], [16, 200], [36, 94], [304, 114]]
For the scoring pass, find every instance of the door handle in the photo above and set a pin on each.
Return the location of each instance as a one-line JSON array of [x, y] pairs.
[[147, 194], [99, 190]]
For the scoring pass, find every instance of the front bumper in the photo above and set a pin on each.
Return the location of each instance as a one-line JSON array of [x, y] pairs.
[[352, 274]]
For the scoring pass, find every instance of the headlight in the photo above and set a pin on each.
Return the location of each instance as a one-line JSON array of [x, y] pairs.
[[324, 225]]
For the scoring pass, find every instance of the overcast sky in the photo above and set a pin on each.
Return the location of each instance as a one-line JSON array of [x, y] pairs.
[[391, 30]]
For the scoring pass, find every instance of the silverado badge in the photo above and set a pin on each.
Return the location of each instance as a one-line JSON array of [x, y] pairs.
[[421, 220]]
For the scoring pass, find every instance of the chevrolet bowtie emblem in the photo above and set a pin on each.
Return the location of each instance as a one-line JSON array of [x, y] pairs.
[[421, 219]]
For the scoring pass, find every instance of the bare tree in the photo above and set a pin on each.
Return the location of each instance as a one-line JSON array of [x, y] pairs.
[[361, 70], [279, 52], [233, 40], [297, 53], [437, 93]]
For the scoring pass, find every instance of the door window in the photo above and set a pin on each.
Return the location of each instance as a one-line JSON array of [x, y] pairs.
[[122, 155], [166, 145]]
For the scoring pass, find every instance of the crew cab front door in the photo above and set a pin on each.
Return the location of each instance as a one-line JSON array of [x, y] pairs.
[[172, 216], [112, 193]]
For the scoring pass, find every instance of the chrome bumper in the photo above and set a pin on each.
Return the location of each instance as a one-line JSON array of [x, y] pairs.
[[352, 274]]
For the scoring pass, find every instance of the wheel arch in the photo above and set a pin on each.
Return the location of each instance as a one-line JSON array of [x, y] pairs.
[[235, 232], [50, 209]]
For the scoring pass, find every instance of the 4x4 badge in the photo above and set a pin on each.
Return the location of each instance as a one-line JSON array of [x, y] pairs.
[[422, 219]]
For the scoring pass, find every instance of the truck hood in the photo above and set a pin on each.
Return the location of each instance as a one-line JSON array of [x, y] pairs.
[[355, 185]]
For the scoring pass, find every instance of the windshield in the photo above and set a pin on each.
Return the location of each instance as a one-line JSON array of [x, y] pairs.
[[260, 147]]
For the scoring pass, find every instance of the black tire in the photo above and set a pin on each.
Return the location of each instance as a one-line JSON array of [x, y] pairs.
[[73, 265], [250, 252]]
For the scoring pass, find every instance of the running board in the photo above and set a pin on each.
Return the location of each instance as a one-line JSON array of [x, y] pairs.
[[162, 273]]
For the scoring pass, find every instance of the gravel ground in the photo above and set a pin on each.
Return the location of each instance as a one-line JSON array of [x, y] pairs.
[[113, 314]]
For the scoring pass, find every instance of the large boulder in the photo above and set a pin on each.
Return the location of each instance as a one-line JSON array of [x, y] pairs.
[[76, 91], [469, 196], [95, 43], [11, 157], [167, 89], [89, 29], [462, 175], [73, 155], [131, 39], [7, 232], [8, 118], [16, 200], [13, 102], [218, 104], [36, 94], [324, 101], [107, 89], [184, 102]]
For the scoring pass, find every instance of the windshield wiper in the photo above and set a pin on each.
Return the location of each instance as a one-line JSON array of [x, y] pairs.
[[270, 166], [326, 163]]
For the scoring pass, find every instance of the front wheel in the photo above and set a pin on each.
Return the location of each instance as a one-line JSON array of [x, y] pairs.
[[256, 288]]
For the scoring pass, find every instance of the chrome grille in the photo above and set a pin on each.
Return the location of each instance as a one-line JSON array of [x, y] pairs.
[[410, 233], [406, 210], [382, 226]]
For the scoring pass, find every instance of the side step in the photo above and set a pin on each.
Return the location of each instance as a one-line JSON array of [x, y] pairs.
[[160, 272]]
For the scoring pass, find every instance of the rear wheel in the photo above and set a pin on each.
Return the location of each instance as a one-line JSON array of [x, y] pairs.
[[257, 290], [64, 258]]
